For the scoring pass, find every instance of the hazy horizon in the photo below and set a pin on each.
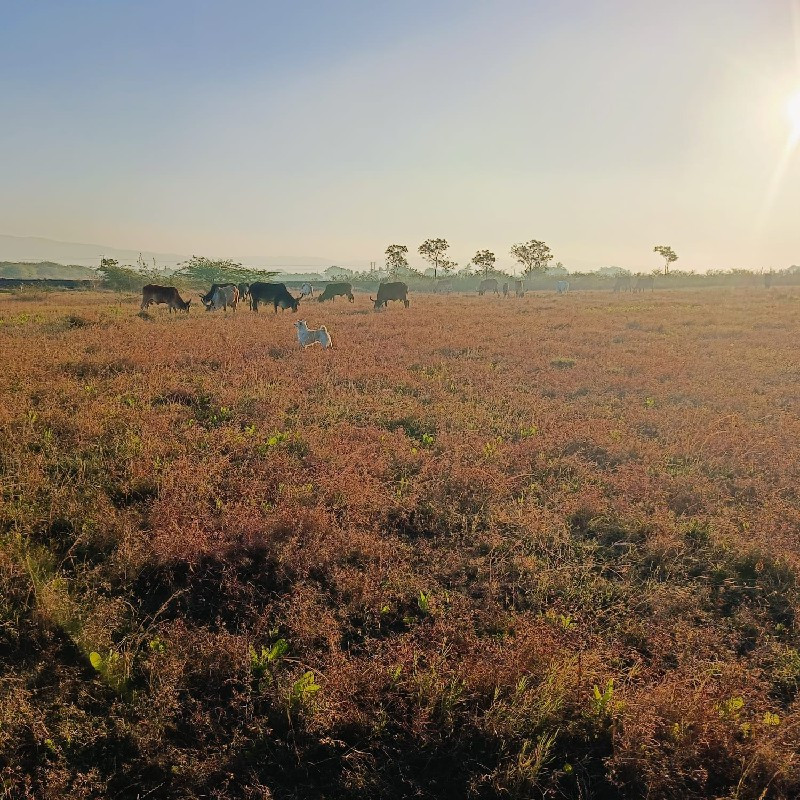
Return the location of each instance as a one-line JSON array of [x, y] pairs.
[[334, 131]]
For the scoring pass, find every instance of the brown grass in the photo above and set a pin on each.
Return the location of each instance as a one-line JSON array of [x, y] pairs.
[[229, 568]]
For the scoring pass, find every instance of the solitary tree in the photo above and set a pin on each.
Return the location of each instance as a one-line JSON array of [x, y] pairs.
[[396, 261], [484, 260], [533, 255], [668, 254], [433, 251]]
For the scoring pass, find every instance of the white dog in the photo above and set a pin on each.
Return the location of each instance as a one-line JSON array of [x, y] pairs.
[[308, 336]]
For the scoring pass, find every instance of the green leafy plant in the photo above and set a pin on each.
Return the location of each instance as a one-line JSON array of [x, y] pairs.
[[264, 662], [302, 691], [424, 602], [602, 701]]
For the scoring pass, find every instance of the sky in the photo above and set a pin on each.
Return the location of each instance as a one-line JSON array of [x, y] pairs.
[[333, 129]]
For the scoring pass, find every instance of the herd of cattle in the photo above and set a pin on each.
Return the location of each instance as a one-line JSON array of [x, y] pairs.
[[229, 295]]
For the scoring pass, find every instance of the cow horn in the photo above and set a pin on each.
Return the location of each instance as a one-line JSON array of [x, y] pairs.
[[372, 299]]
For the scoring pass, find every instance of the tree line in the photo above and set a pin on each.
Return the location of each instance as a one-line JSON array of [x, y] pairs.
[[534, 257]]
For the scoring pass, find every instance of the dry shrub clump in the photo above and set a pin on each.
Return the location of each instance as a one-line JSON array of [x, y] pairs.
[[485, 548]]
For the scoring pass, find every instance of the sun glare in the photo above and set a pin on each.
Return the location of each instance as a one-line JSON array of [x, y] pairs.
[[793, 113]]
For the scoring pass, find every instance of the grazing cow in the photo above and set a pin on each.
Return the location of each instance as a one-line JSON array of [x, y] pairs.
[[306, 290], [335, 290], [505, 290], [562, 287], [222, 297], [519, 288], [275, 293], [308, 336], [488, 285], [643, 283], [152, 293], [622, 283], [206, 298], [391, 291]]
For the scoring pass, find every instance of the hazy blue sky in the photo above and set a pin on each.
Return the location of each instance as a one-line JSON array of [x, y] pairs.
[[336, 128]]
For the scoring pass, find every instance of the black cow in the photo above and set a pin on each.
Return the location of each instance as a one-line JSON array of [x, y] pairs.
[[488, 285], [391, 291], [336, 290], [244, 290], [275, 293], [152, 293]]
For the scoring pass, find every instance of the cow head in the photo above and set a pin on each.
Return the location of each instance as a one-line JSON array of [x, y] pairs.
[[289, 302], [185, 306]]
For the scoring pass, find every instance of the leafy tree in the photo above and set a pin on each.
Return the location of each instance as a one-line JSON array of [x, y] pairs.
[[434, 252], [396, 261], [335, 272], [484, 260], [201, 271], [534, 256], [113, 276], [668, 254]]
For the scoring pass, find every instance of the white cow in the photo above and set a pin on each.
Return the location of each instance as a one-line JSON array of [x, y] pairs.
[[562, 287], [306, 290]]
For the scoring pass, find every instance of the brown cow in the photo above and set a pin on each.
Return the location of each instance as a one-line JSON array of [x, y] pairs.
[[152, 293]]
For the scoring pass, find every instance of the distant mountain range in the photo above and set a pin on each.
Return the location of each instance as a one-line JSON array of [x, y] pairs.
[[33, 249], [45, 269]]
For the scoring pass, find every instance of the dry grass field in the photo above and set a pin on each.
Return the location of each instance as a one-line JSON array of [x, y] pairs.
[[482, 548]]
